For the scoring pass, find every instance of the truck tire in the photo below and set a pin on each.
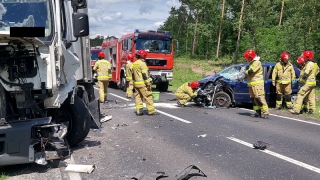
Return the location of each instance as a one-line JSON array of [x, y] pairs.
[[78, 118], [222, 99], [163, 86]]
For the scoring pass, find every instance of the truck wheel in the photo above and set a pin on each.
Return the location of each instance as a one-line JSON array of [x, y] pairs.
[[222, 99], [163, 86], [123, 85], [77, 117]]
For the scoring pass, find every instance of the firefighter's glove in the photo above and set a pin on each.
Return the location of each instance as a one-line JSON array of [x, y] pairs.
[[305, 76], [199, 89], [250, 71]]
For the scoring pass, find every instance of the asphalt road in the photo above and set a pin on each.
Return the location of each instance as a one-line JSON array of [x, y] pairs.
[[217, 141]]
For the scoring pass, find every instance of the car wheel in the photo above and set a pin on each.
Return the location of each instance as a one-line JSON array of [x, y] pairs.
[[222, 99], [123, 84], [294, 99]]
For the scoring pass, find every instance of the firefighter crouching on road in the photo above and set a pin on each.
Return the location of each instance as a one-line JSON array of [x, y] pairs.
[[129, 81], [283, 77], [308, 78], [142, 84], [256, 85], [103, 69], [186, 92]]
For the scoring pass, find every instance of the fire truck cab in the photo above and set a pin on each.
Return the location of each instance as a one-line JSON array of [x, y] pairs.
[[160, 59]]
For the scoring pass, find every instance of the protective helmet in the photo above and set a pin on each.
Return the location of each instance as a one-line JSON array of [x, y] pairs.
[[307, 55], [130, 57], [195, 85], [300, 60], [101, 55], [142, 53], [249, 55], [285, 57]]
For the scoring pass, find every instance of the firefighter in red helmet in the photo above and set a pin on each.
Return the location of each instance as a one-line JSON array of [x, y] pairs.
[[283, 77], [129, 82], [308, 78], [142, 84], [187, 92], [256, 85], [103, 69]]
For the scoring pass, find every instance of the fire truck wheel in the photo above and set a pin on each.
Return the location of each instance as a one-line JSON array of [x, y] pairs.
[[163, 86], [77, 117], [123, 85]]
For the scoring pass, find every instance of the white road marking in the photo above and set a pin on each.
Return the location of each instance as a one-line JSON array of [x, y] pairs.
[[116, 95], [293, 161], [287, 118], [174, 117], [170, 93]]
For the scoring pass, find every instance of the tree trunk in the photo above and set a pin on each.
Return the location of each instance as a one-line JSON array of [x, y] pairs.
[[239, 33], [207, 47], [281, 13], [194, 35], [220, 30]]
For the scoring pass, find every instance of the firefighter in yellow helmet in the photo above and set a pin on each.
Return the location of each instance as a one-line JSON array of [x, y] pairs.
[[308, 78], [186, 92], [142, 84], [256, 85], [129, 81], [103, 69], [283, 77]]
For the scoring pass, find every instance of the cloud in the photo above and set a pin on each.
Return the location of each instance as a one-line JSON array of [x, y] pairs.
[[118, 17]]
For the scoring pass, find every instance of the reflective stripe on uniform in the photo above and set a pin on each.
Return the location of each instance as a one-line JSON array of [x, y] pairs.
[[256, 108], [255, 81], [284, 80]]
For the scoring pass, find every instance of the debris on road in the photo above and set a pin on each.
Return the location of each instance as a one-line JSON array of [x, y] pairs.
[[260, 145], [211, 107], [115, 126], [105, 118], [186, 173], [80, 168], [155, 176], [202, 136]]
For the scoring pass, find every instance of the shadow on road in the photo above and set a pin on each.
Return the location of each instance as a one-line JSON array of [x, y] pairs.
[[20, 169]]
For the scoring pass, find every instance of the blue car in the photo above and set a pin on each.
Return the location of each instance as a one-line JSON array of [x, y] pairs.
[[229, 86]]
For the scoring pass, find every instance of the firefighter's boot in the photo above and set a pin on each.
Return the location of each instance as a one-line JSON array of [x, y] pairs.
[[304, 110], [180, 105], [293, 112], [140, 113], [311, 111], [256, 114], [265, 116], [278, 107]]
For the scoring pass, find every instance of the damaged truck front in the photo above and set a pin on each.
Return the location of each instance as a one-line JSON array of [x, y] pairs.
[[47, 101]]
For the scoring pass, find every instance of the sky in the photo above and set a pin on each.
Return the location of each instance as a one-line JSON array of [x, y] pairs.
[[118, 17]]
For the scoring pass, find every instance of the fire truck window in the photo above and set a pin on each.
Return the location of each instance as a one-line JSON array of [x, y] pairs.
[[129, 44], [152, 45]]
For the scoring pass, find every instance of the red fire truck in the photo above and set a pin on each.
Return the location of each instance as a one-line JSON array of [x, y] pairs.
[[160, 59]]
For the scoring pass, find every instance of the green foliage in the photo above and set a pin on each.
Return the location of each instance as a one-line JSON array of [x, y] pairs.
[[261, 29], [3, 177]]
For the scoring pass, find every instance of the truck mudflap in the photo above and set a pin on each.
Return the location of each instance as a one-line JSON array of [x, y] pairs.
[[94, 110], [37, 140]]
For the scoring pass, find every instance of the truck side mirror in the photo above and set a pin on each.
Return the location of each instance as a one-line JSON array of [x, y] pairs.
[[79, 4], [80, 24]]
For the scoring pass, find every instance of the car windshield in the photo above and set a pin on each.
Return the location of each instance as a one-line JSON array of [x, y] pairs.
[[152, 45], [230, 72], [94, 55], [26, 13]]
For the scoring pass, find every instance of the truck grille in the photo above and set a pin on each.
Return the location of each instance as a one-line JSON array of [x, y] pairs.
[[156, 62]]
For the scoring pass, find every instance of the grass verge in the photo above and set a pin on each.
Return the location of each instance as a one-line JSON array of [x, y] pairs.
[[3, 177]]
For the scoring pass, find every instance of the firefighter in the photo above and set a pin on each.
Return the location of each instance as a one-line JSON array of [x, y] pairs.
[[103, 69], [308, 78], [186, 92], [283, 77], [129, 82], [142, 84], [256, 85], [301, 64]]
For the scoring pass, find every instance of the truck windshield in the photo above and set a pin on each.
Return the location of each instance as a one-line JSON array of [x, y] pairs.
[[27, 13], [153, 45]]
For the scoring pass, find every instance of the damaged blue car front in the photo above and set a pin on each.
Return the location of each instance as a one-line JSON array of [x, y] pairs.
[[229, 86]]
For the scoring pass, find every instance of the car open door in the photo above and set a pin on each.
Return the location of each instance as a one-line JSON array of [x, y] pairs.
[[241, 92], [269, 89]]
